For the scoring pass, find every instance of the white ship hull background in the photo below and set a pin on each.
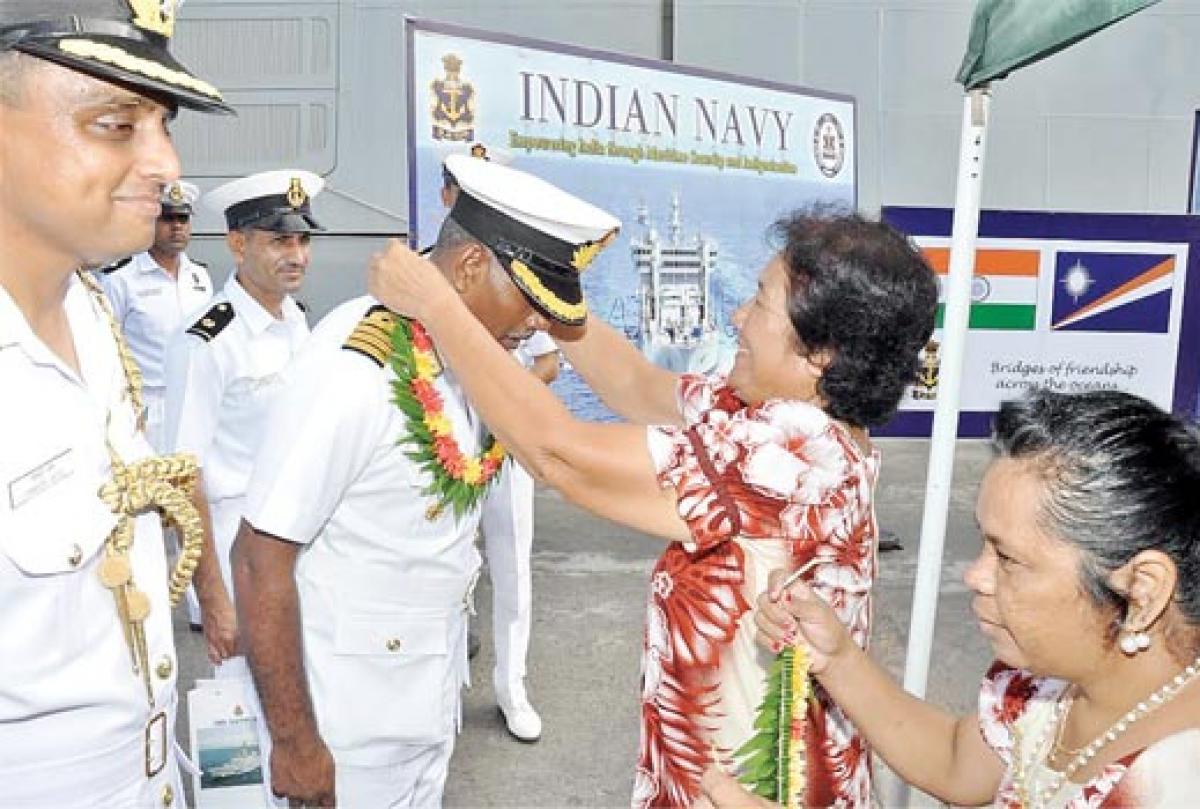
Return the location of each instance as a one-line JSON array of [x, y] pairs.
[[676, 325]]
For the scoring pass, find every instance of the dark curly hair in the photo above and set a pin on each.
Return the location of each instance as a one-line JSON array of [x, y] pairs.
[[1120, 477], [862, 291]]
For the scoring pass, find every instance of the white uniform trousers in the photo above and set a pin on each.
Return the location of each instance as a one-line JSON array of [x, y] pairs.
[[415, 779], [507, 524]]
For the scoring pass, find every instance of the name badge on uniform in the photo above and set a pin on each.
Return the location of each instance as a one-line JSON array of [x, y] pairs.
[[40, 478], [148, 293]]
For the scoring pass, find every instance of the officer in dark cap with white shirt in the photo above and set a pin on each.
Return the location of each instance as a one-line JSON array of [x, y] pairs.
[[356, 560], [87, 683]]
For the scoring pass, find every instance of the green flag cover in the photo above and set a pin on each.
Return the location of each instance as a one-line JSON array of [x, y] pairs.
[[1009, 34]]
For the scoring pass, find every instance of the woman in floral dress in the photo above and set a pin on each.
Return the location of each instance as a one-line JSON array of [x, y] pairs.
[[1087, 588], [770, 467]]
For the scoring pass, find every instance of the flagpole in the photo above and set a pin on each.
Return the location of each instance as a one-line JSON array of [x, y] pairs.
[[964, 234]]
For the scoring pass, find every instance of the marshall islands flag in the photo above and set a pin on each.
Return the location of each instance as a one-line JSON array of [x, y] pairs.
[[1113, 292], [1004, 290]]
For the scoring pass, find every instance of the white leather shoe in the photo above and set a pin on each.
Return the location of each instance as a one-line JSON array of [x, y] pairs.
[[522, 720]]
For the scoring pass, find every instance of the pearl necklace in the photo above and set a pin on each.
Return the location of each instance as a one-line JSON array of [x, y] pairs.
[[1040, 751]]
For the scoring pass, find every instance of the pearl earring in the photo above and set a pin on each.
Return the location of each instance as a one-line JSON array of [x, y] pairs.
[[1129, 644], [1143, 641]]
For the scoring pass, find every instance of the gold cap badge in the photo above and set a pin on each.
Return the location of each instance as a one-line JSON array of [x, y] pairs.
[[156, 16], [296, 195]]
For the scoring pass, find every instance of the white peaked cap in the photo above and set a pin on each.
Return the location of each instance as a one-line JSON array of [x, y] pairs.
[[179, 194], [544, 236], [531, 200], [269, 200]]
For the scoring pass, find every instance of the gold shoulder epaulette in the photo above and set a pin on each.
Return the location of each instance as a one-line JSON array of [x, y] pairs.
[[372, 337], [213, 321]]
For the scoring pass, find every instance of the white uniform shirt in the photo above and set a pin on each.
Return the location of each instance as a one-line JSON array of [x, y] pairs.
[[381, 585], [219, 391], [67, 691], [150, 305]]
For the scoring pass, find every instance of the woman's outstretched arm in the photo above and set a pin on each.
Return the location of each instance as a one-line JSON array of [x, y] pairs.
[[605, 468], [628, 383], [930, 748]]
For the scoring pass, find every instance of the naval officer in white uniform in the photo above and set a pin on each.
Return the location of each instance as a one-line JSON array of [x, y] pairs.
[[507, 527], [83, 158], [152, 292], [226, 368], [354, 572], [507, 524]]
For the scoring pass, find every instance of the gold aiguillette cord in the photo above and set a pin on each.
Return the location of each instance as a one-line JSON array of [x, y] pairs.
[[164, 483]]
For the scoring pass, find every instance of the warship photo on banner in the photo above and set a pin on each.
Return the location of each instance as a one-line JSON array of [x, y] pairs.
[[676, 327]]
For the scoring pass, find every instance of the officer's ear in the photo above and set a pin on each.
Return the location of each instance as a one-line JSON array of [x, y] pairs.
[[470, 265], [236, 241]]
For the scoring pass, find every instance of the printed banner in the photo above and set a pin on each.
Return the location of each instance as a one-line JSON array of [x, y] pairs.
[[1073, 302], [696, 165]]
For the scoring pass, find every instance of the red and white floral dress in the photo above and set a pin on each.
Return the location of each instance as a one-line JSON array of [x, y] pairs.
[[761, 487], [1016, 710]]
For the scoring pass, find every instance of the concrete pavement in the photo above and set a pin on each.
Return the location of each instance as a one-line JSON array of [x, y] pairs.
[[590, 580]]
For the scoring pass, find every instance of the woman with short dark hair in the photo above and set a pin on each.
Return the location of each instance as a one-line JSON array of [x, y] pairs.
[[1088, 589], [770, 467]]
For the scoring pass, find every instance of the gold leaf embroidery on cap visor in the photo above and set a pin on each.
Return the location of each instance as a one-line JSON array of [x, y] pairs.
[[112, 55], [587, 252], [568, 312]]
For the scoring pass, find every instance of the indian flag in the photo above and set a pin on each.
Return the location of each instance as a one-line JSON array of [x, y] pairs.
[[1004, 291]]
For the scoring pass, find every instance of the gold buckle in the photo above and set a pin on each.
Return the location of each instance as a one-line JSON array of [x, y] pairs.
[[155, 766]]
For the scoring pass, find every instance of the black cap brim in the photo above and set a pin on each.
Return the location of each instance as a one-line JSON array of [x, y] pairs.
[[141, 66]]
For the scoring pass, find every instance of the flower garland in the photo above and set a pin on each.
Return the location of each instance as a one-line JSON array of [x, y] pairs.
[[774, 760], [458, 480]]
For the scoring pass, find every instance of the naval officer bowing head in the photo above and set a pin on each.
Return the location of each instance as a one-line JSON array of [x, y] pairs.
[[356, 558]]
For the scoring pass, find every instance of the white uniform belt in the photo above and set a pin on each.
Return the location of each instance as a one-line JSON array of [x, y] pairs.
[[74, 779]]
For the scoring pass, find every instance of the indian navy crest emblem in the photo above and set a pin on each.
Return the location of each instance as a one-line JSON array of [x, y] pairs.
[[296, 195], [928, 371], [829, 145], [453, 103]]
